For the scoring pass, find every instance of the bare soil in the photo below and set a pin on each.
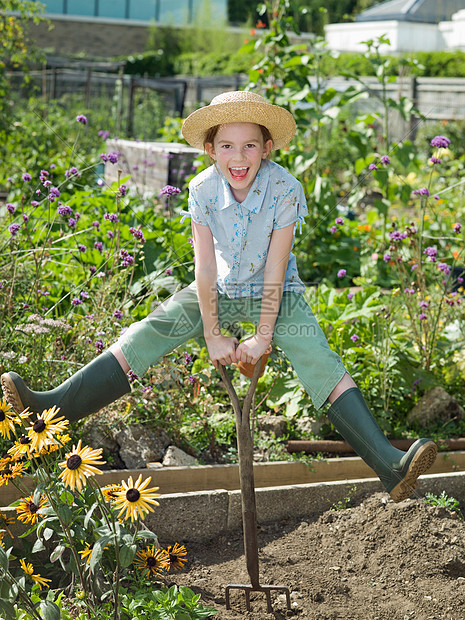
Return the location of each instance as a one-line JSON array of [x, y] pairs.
[[374, 561]]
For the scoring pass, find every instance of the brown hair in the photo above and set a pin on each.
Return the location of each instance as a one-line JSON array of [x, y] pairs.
[[211, 134]]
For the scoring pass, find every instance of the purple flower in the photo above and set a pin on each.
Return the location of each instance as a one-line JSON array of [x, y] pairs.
[[424, 304], [187, 357], [112, 217], [339, 220], [27, 177], [96, 225], [76, 301], [409, 291], [11, 208], [13, 228], [457, 227], [81, 119], [192, 379], [64, 210], [98, 245], [99, 345], [126, 259], [72, 222], [34, 203], [387, 257], [354, 337], [110, 234], [432, 253], [137, 233], [54, 194], [396, 235], [423, 191], [385, 159], [422, 316], [372, 167], [118, 314], [104, 134], [441, 142], [333, 230], [123, 190], [435, 160], [341, 273], [25, 218], [169, 190], [72, 172], [82, 247], [444, 267], [84, 295], [132, 376], [169, 272], [44, 174], [113, 157], [46, 183], [350, 295]]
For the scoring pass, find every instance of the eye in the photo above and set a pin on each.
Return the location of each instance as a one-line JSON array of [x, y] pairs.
[[251, 146]]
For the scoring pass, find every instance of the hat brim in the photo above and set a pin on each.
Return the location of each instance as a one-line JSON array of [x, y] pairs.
[[279, 121]]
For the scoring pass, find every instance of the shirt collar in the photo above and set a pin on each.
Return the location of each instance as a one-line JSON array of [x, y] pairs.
[[254, 198]]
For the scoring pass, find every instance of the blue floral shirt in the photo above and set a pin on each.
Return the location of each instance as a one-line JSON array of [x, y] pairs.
[[242, 231]]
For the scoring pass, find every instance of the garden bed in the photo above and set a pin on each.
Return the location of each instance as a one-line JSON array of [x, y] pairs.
[[375, 561]]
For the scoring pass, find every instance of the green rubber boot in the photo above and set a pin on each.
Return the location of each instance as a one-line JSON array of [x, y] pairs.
[[98, 384], [397, 470]]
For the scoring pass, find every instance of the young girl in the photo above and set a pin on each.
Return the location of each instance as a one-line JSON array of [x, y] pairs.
[[244, 211]]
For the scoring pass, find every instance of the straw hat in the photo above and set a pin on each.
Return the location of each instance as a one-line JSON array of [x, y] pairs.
[[239, 107]]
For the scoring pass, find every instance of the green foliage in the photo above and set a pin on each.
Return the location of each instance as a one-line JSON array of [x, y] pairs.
[[167, 604], [445, 501], [346, 502]]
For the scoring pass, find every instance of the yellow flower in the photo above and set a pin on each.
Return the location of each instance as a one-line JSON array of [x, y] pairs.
[[87, 552], [135, 498], [2, 536], [178, 556], [9, 472], [109, 492], [79, 465], [20, 448], [7, 419], [45, 427], [28, 511], [152, 561], [29, 570]]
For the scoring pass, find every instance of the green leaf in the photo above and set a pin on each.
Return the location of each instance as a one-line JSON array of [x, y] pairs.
[[57, 553], [126, 555], [65, 513], [89, 514], [3, 559], [38, 546], [47, 533], [8, 610], [49, 610]]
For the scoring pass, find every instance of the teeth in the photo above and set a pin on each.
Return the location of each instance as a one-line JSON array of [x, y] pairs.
[[243, 168]]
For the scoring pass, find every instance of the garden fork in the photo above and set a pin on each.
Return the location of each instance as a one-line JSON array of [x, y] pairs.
[[249, 511]]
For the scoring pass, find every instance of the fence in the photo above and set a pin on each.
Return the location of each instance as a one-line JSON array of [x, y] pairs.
[[140, 105]]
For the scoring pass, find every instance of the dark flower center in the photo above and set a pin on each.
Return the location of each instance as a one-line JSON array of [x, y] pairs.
[[74, 461], [132, 495], [151, 561], [6, 472], [2, 416], [33, 507], [24, 440], [39, 426]]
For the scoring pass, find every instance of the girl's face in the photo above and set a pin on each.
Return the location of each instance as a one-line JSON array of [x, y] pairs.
[[238, 150]]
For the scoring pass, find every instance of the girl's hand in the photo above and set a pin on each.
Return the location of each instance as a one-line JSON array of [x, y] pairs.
[[251, 349], [222, 350]]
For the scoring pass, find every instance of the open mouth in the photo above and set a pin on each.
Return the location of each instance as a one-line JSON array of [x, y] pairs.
[[239, 173]]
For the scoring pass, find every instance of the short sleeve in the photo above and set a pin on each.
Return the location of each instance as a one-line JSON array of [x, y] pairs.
[[197, 213], [291, 208]]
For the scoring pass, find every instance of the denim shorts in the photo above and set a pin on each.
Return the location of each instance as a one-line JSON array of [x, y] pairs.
[[296, 333]]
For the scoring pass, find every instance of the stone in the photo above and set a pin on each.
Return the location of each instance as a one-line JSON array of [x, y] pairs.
[[139, 445], [308, 426], [272, 424], [436, 406], [175, 457]]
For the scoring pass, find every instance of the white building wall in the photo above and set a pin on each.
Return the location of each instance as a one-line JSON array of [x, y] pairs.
[[404, 36], [453, 32]]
